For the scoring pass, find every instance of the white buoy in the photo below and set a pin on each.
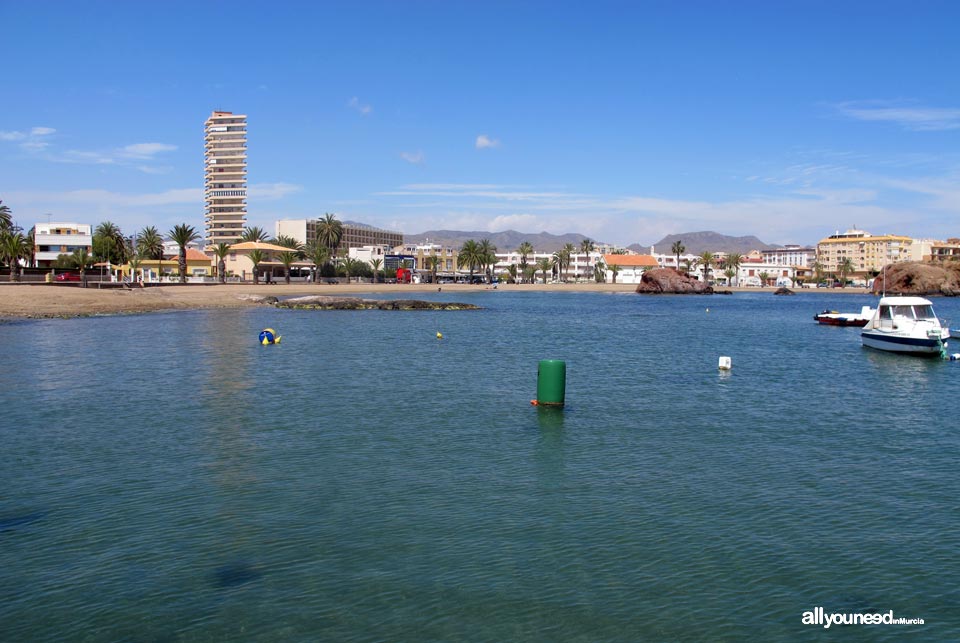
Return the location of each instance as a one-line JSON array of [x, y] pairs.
[[725, 363]]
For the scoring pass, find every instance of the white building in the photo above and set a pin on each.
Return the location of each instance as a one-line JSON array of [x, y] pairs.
[[53, 239], [225, 177], [790, 255]]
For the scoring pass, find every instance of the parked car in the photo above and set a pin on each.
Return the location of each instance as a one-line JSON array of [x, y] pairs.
[[68, 276]]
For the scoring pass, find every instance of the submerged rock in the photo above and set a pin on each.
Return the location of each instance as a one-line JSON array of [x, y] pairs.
[[326, 302], [667, 281], [784, 291]]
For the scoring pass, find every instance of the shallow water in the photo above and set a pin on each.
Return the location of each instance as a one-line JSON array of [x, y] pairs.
[[167, 478]]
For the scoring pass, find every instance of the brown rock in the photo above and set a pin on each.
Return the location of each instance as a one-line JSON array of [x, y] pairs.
[[667, 281], [912, 278]]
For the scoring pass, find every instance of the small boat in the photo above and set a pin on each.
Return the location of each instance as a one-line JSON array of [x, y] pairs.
[[833, 318], [906, 325]]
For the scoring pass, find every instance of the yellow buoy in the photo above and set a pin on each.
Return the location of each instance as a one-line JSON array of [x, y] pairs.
[[439, 335]]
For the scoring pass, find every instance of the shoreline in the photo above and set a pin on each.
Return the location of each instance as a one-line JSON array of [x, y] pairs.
[[54, 301]]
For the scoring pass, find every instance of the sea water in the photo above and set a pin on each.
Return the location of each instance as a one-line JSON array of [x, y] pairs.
[[167, 478]]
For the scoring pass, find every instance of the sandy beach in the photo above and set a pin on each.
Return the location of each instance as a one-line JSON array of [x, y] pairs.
[[41, 301]]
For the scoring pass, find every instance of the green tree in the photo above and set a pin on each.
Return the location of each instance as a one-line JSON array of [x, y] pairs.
[[183, 235], [586, 247], [330, 232], [707, 260], [470, 255], [432, 262], [13, 247], [319, 255], [845, 267], [600, 272], [614, 271], [566, 254], [82, 259], [256, 257], [525, 250], [544, 264], [220, 251], [109, 244], [529, 274], [729, 273], [512, 271], [376, 263], [488, 258], [733, 262], [678, 249], [256, 234], [150, 246], [287, 258], [764, 278], [6, 217], [818, 270]]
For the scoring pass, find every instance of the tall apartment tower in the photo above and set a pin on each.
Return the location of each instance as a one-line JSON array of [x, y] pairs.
[[225, 178]]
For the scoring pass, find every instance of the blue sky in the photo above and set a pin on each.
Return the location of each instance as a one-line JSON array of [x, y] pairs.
[[622, 121]]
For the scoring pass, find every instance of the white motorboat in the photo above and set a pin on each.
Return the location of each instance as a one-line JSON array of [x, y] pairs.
[[906, 325]]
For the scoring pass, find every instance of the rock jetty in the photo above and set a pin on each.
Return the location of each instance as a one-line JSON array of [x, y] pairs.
[[321, 302], [913, 278], [668, 281]]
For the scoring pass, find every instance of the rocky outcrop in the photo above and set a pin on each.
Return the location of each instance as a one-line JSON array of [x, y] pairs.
[[321, 302], [784, 291], [667, 281], [912, 278]]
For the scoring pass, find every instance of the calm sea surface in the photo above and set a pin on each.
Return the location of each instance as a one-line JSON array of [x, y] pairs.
[[166, 478]]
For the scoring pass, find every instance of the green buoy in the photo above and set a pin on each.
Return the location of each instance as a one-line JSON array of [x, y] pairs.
[[551, 382]]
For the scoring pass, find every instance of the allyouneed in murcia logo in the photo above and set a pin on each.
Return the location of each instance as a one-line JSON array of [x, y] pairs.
[[819, 617]]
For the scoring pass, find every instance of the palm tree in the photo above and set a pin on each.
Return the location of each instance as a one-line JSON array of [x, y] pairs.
[[376, 263], [470, 255], [182, 235], [6, 217], [599, 272], [150, 246], [255, 233], [544, 264], [764, 276], [135, 262], [488, 258], [845, 267], [256, 257], [567, 255], [706, 259], [297, 251], [318, 254], [818, 271], [330, 232], [586, 247], [529, 273], [220, 251], [729, 273], [13, 246], [81, 259], [733, 262], [109, 244], [525, 249], [351, 266], [432, 262], [614, 271], [678, 249]]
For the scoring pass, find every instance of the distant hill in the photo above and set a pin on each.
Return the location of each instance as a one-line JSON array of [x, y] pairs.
[[504, 241], [697, 242]]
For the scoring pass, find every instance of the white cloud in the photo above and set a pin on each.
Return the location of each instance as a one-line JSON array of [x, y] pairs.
[[360, 107], [484, 141], [272, 191], [34, 146], [42, 131], [416, 158], [906, 114], [12, 136], [144, 151]]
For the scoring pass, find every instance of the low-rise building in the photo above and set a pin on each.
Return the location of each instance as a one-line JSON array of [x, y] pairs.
[[54, 239], [630, 268]]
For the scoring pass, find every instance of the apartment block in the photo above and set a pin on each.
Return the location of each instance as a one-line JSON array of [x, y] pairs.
[[225, 177], [53, 239], [865, 251]]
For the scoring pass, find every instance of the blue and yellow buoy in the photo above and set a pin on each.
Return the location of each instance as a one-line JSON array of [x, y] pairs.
[[439, 335], [269, 336]]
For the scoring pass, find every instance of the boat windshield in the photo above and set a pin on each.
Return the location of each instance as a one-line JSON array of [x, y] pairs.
[[924, 312]]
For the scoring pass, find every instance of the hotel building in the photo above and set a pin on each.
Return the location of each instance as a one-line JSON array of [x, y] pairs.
[[225, 177], [865, 251], [355, 235]]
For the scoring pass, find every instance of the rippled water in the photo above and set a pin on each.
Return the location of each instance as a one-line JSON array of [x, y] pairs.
[[166, 478]]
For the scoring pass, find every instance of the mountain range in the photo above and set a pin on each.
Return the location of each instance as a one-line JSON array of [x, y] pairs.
[[693, 242]]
